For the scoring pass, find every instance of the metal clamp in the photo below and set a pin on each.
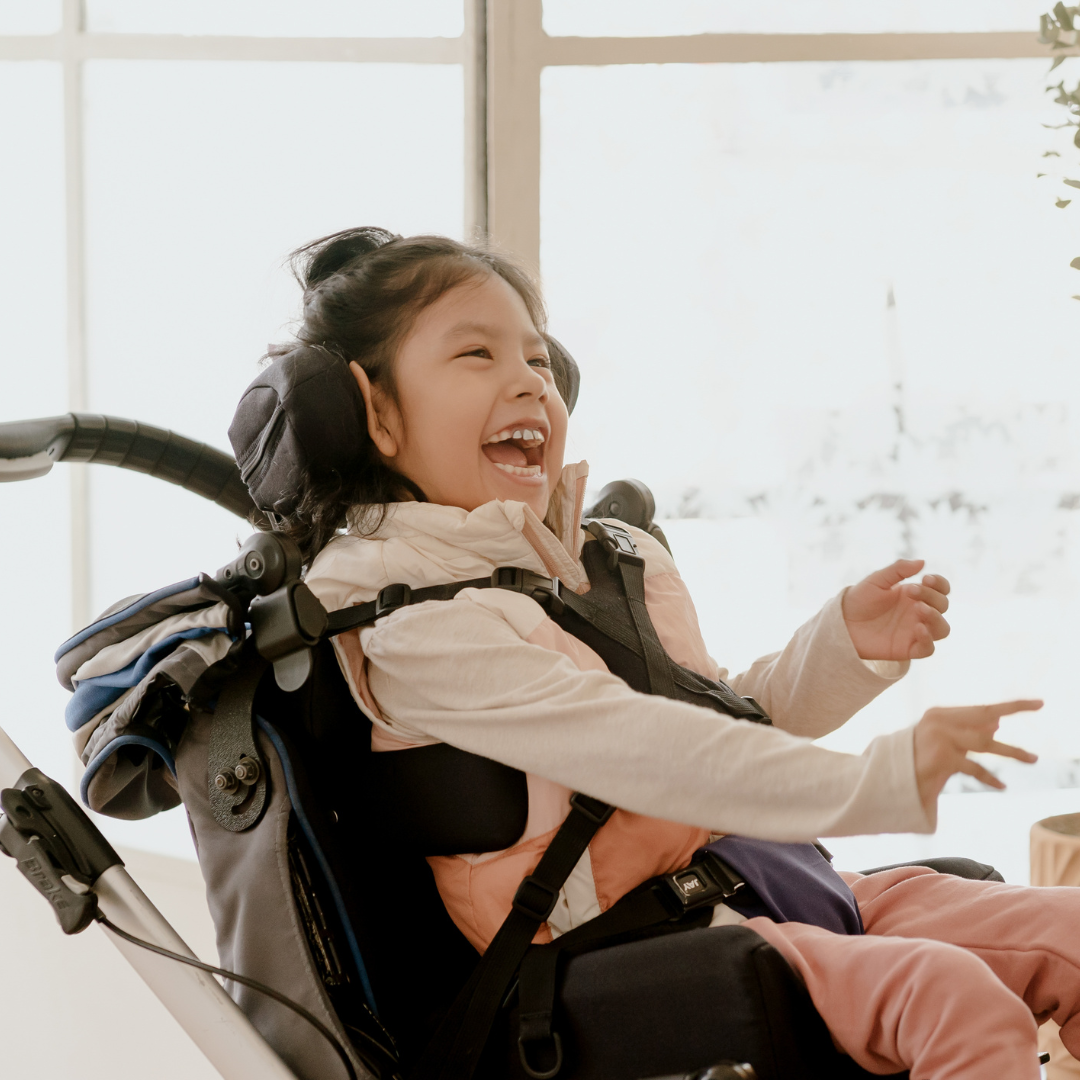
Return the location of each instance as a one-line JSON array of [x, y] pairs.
[[60, 851], [236, 775], [286, 625]]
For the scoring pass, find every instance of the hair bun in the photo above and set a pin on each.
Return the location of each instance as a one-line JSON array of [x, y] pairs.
[[322, 258]]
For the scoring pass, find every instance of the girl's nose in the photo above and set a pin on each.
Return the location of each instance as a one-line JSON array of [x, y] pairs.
[[527, 381]]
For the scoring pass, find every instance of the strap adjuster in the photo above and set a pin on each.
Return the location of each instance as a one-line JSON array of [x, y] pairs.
[[618, 543], [596, 811], [535, 899], [391, 598], [543, 590]]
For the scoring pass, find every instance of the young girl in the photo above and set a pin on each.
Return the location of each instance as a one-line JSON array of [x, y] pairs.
[[463, 472]]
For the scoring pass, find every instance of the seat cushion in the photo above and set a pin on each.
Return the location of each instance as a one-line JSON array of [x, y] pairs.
[[679, 1002]]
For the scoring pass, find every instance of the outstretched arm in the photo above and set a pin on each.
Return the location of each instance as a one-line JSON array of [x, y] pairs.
[[857, 645]]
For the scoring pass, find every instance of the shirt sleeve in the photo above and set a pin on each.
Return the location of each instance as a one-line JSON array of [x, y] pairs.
[[819, 681], [462, 672]]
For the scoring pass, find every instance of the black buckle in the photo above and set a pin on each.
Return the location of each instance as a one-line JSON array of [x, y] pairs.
[[708, 881], [535, 899], [618, 543], [391, 598], [543, 590], [596, 811]]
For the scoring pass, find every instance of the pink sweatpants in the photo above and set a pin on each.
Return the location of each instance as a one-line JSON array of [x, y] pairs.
[[951, 978]]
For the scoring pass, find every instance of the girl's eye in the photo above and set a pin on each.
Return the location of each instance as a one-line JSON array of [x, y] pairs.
[[540, 361], [481, 351]]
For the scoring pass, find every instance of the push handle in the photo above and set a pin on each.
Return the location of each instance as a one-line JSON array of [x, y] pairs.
[[30, 448]]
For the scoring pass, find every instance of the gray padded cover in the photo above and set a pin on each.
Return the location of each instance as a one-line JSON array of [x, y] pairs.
[[259, 933]]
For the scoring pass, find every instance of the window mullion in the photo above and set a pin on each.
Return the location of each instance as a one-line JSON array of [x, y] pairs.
[[515, 40]]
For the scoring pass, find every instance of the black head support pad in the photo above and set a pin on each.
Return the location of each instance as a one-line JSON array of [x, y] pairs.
[[304, 416]]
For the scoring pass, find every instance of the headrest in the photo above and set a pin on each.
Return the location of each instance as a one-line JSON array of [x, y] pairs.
[[304, 415]]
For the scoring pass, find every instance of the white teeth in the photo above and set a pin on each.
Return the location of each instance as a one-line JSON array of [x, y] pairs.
[[528, 434], [520, 470]]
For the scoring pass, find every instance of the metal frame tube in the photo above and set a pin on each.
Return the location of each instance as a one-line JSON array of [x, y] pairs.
[[195, 998]]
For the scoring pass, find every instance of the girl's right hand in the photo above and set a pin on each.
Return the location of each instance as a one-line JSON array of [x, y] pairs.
[[944, 737]]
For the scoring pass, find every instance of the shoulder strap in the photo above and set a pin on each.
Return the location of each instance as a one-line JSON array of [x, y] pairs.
[[393, 597], [455, 1049], [624, 558]]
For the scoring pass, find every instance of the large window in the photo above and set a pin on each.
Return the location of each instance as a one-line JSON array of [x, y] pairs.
[[820, 302]]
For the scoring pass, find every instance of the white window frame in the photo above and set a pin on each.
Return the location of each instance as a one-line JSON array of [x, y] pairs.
[[503, 52]]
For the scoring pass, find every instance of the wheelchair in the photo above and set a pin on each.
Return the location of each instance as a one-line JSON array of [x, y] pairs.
[[313, 848]]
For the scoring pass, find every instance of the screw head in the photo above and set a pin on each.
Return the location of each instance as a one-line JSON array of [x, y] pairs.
[[226, 781], [247, 771]]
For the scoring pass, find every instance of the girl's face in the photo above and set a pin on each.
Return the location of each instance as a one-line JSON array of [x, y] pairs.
[[478, 415]]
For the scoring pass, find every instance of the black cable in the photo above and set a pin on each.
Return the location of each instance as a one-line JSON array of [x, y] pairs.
[[252, 984]]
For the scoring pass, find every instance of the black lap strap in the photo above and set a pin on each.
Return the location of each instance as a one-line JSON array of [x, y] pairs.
[[670, 898], [455, 1050]]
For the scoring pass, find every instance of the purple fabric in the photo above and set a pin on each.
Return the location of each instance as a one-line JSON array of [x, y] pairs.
[[791, 883]]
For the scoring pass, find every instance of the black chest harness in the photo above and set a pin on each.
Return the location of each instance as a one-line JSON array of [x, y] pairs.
[[612, 619]]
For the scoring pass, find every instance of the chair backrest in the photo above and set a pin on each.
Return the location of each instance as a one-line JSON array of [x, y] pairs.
[[329, 897]]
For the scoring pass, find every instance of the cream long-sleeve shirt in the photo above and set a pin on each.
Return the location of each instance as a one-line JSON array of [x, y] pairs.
[[488, 672]]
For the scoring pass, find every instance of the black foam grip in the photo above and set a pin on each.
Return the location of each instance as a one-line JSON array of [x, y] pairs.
[[127, 444], [194, 466]]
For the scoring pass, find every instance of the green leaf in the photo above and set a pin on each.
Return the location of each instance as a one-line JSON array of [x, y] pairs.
[[1051, 153], [1075, 264], [1057, 60], [1040, 175], [1072, 183], [1062, 203]]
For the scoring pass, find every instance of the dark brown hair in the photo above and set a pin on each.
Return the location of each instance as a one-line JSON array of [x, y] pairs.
[[363, 291]]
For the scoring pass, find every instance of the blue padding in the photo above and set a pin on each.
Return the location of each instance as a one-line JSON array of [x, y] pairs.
[[93, 695], [124, 613], [109, 749], [335, 892]]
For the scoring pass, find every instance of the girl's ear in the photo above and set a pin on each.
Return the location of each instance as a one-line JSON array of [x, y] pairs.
[[376, 406]]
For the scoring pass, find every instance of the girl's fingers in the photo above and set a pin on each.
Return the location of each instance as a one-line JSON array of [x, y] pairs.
[[892, 575], [937, 583], [1005, 750], [1007, 708], [926, 595], [985, 776], [934, 622], [922, 643]]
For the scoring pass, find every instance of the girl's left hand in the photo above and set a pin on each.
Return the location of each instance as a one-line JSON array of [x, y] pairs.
[[889, 619]]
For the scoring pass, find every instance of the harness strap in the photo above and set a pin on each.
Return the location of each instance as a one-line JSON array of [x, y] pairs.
[[515, 578], [665, 899], [457, 1045], [623, 556]]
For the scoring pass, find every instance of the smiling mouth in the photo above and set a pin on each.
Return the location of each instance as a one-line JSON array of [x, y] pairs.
[[517, 451]]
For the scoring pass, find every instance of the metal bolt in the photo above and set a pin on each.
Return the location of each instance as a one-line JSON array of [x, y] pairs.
[[247, 771], [226, 781]]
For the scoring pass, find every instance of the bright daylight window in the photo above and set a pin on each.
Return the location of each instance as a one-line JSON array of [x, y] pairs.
[[821, 303], [824, 311]]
